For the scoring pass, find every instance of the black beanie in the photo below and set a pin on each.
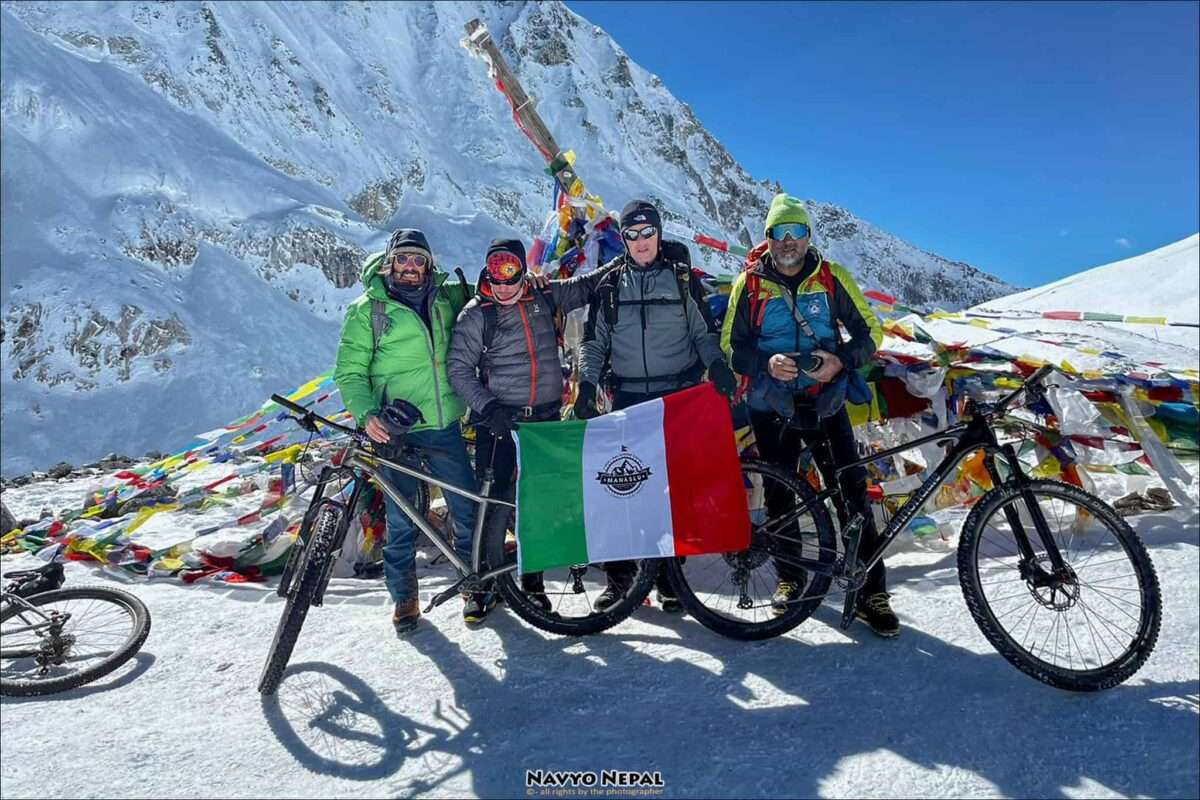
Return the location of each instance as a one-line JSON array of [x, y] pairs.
[[640, 212], [513, 246], [408, 239]]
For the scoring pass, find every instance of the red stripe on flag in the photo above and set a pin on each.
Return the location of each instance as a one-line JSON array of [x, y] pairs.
[[880, 296], [1074, 315], [708, 502]]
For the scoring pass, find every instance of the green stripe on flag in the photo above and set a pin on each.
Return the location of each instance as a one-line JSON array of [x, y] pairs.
[[550, 529]]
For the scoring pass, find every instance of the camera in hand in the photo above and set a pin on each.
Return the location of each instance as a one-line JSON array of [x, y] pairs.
[[805, 362]]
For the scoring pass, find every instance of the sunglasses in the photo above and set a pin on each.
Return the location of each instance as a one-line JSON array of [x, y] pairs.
[[505, 268], [797, 230], [643, 233], [416, 259]]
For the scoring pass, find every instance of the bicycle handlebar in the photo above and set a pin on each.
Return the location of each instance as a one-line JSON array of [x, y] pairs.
[[1032, 381], [311, 417]]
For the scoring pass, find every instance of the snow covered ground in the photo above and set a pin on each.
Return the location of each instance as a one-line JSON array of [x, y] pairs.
[[457, 712]]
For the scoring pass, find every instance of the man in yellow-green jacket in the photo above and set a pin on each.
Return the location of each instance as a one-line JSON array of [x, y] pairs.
[[393, 347]]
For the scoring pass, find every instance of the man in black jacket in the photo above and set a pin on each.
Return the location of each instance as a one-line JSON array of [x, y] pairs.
[[650, 326]]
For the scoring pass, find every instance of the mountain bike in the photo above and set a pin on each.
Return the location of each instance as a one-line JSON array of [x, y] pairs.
[[1057, 581], [492, 564], [54, 639]]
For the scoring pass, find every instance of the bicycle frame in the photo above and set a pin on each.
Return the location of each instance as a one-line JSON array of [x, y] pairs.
[[358, 464], [962, 439], [26, 607]]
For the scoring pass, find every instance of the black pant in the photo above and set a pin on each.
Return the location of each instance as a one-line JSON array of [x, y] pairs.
[[623, 571], [832, 443]]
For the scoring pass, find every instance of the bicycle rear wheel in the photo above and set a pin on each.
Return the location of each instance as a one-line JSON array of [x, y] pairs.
[[731, 593], [305, 586], [571, 591], [1083, 631], [106, 628]]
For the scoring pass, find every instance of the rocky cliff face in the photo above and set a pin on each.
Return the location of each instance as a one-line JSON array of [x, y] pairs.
[[190, 189]]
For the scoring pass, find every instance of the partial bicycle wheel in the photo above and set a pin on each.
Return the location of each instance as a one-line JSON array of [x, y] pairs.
[[305, 586], [92, 630], [569, 592], [1088, 629], [731, 593]]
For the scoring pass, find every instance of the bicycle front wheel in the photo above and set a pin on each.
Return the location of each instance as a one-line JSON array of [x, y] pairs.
[[733, 593], [566, 604], [305, 586], [104, 628], [1087, 628]]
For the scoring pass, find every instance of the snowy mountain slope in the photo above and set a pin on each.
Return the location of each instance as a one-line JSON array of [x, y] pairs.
[[154, 150], [1162, 283]]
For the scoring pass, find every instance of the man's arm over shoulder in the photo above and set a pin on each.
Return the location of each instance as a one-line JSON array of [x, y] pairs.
[[572, 293]]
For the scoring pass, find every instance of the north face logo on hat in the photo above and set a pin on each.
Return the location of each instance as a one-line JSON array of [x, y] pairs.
[[640, 218]]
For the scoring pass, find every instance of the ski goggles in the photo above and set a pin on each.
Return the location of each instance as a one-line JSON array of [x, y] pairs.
[[632, 235], [797, 230], [505, 268], [404, 259]]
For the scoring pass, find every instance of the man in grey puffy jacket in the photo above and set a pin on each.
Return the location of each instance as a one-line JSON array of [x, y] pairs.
[[504, 361], [649, 324]]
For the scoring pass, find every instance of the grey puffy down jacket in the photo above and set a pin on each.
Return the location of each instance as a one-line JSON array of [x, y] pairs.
[[522, 366]]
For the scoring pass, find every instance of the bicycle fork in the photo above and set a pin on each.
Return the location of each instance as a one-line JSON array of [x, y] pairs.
[[1030, 568]]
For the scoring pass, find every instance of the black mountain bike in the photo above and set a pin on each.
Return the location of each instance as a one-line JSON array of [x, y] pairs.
[[492, 566], [1057, 581]]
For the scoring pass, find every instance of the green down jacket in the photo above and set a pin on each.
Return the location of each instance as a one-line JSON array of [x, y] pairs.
[[410, 360]]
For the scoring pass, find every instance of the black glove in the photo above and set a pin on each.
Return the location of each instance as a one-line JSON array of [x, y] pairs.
[[498, 418], [585, 402], [722, 377]]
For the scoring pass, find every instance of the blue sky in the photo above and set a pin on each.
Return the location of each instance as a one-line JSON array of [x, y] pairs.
[[1032, 140]]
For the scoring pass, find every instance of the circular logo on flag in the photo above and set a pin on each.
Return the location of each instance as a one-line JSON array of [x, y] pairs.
[[624, 474]]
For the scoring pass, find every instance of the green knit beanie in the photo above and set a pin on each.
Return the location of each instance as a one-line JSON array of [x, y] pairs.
[[785, 208]]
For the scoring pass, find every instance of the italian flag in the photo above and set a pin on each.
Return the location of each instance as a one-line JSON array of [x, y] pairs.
[[658, 479]]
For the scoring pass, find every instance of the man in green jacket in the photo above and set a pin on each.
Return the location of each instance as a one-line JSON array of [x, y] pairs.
[[393, 346]]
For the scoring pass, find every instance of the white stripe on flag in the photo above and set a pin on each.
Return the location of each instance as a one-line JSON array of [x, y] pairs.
[[621, 522]]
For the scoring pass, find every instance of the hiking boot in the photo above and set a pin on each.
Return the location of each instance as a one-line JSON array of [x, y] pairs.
[[533, 585], [406, 616], [785, 592], [668, 601], [877, 612], [477, 606], [665, 594], [612, 594]]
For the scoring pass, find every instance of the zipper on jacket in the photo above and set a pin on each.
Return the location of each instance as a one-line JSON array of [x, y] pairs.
[[532, 354], [437, 392]]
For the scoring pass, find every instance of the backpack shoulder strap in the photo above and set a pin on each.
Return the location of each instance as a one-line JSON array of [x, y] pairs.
[[462, 281], [753, 291], [490, 319], [380, 322], [607, 292]]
